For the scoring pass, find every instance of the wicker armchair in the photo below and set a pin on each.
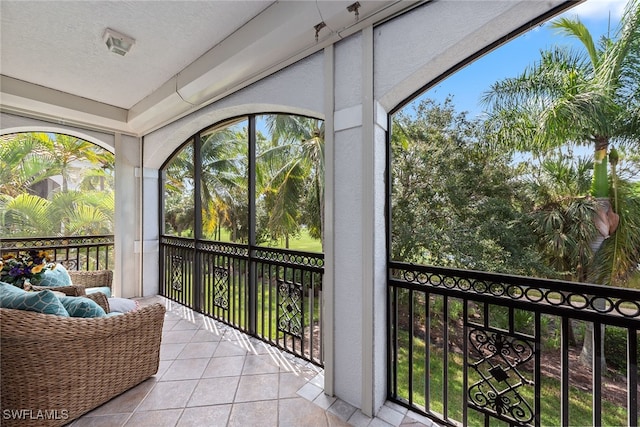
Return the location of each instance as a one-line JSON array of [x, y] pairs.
[[92, 279], [69, 366]]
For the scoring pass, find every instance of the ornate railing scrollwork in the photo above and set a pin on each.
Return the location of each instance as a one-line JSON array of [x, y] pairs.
[[497, 360], [290, 308]]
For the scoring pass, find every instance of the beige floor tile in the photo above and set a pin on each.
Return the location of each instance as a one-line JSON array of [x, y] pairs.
[[184, 325], [116, 420], [259, 364], [194, 350], [161, 418], [254, 414], [182, 336], [300, 412], [213, 416], [335, 421], [311, 392], [342, 409], [213, 375], [185, 369], [126, 402], [168, 395], [169, 351], [229, 349], [204, 335], [226, 366], [290, 383], [257, 387], [162, 368], [214, 391]]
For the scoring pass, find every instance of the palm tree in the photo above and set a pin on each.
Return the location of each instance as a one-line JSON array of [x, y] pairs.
[[20, 169], [292, 166], [30, 158], [562, 219], [66, 151], [587, 97], [224, 177]]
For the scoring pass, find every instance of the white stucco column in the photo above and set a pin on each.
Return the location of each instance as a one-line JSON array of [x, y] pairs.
[[148, 242], [359, 229], [127, 224]]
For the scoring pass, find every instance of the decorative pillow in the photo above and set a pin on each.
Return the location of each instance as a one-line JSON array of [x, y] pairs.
[[122, 305], [41, 302], [104, 289], [56, 276], [82, 307]]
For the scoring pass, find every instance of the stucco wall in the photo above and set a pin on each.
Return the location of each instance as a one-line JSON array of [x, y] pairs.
[[372, 72]]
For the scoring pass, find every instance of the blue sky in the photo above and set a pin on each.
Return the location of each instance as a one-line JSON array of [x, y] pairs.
[[468, 84]]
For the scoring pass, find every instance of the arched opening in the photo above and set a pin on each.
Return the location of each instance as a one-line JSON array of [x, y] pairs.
[[57, 190], [241, 237], [494, 208]]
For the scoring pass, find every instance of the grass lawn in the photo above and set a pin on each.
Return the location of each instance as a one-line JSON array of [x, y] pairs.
[[580, 401], [303, 242]]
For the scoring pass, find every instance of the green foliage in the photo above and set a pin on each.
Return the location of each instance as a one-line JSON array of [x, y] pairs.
[[32, 203], [455, 200], [619, 257], [615, 347], [289, 176], [587, 96]]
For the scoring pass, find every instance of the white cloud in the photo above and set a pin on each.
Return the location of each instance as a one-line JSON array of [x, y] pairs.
[[599, 9]]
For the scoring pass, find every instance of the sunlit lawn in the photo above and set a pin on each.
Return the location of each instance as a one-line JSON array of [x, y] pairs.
[[580, 401], [303, 242]]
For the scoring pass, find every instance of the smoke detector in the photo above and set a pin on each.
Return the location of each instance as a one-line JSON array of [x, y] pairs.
[[117, 42]]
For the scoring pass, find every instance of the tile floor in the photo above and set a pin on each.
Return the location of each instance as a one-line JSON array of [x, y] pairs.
[[213, 375]]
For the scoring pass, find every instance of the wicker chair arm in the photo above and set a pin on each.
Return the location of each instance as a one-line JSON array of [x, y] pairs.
[[70, 291], [101, 299]]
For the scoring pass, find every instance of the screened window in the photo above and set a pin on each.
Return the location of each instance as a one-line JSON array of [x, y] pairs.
[[260, 180]]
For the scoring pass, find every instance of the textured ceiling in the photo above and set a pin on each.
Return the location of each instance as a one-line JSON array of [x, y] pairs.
[[58, 44], [55, 65]]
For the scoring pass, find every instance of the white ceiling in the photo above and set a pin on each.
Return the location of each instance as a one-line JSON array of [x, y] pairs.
[[54, 62], [59, 43]]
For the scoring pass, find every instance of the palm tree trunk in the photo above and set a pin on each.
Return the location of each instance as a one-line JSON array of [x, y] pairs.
[[600, 190]]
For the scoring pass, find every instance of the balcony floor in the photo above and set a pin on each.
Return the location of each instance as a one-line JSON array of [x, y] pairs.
[[213, 375]]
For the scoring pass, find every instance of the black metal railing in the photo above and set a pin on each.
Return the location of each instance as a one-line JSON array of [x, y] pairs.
[[74, 252], [272, 294], [476, 348]]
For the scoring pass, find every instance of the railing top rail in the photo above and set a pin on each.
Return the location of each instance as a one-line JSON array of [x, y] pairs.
[[29, 239], [586, 301], [265, 249], [261, 249], [24, 244], [412, 274], [312, 261]]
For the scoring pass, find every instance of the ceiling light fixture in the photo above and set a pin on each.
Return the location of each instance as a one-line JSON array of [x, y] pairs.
[[118, 43]]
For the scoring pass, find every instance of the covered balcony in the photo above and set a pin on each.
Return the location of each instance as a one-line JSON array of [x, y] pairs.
[[258, 335]]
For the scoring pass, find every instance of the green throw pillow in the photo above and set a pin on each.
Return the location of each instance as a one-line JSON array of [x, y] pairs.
[[57, 276], [82, 307], [41, 302]]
